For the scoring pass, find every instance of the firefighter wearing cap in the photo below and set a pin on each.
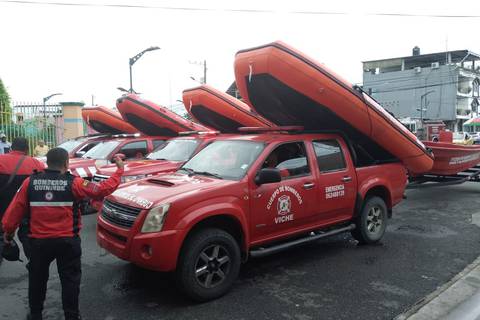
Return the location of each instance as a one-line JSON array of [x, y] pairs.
[[51, 200], [15, 167]]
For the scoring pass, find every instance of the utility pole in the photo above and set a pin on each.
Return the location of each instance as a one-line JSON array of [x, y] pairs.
[[204, 71], [204, 64]]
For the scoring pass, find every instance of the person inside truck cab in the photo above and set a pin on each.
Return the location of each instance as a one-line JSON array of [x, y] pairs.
[[289, 158]]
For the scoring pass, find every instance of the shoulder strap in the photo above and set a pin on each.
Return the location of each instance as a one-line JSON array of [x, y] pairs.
[[13, 174]]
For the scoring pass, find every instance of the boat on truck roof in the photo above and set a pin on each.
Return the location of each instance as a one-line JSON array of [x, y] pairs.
[[288, 88], [220, 111], [152, 119], [105, 120]]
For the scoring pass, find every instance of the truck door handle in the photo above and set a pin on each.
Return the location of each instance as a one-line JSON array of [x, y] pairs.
[[347, 179], [308, 185]]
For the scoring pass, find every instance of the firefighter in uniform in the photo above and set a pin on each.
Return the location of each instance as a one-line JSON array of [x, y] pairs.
[[15, 167], [51, 200]]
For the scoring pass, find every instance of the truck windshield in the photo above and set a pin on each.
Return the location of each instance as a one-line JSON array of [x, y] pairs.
[[71, 144], [101, 150], [224, 159], [175, 150]]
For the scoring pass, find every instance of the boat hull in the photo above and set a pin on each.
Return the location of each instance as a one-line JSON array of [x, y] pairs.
[[451, 158], [220, 111], [152, 119], [288, 88], [104, 120]]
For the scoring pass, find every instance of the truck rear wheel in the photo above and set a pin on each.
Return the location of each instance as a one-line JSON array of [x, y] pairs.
[[209, 264], [371, 223]]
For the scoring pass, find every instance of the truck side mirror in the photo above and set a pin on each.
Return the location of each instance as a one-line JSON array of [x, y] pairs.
[[268, 175]]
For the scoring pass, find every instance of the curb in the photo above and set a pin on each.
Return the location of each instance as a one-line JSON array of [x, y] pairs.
[[436, 304]]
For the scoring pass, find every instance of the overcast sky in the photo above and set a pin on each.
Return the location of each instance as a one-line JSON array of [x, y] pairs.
[[83, 50]]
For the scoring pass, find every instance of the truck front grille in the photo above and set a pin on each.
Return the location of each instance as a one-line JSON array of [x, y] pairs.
[[119, 214]]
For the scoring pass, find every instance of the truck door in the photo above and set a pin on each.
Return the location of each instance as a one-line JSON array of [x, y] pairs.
[[337, 181], [278, 207]]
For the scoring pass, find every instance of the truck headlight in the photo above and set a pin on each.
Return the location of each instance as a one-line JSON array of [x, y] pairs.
[[155, 218], [126, 179]]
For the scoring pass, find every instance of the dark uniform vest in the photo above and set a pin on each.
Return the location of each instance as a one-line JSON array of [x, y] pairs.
[[53, 209]]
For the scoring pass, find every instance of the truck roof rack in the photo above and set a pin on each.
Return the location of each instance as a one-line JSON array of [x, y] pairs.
[[272, 129], [187, 133], [126, 135]]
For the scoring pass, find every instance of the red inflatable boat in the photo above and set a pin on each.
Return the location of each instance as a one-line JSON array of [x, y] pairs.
[[105, 120], [152, 119], [451, 158], [220, 111], [288, 88]]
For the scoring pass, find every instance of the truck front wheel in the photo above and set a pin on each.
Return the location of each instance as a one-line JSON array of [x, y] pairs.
[[371, 223], [209, 264]]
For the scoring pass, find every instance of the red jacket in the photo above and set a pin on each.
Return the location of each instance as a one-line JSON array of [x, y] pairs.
[[8, 162], [51, 199]]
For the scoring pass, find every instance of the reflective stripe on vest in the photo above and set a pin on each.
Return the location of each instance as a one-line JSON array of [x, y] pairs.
[[51, 204]]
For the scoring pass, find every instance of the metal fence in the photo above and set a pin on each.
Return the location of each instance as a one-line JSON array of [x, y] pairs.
[[34, 121]]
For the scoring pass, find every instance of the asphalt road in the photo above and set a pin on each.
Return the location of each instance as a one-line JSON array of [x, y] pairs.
[[431, 238]]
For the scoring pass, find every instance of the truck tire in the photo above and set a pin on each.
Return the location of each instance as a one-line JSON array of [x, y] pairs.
[[209, 264], [371, 223]]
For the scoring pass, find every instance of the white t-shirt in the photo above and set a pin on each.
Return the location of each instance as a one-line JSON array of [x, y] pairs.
[[3, 146]]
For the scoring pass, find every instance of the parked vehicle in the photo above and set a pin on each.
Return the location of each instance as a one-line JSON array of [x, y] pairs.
[[247, 196], [132, 146], [166, 158], [79, 146]]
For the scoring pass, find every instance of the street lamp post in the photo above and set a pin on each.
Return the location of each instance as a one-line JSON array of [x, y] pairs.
[[134, 59], [45, 101], [422, 109]]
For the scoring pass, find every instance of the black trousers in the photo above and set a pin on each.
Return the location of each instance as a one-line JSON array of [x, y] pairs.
[[67, 252]]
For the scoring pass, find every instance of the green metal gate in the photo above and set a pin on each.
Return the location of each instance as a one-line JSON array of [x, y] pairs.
[[34, 121]]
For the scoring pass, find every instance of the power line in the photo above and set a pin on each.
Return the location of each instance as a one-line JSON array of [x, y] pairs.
[[240, 10]]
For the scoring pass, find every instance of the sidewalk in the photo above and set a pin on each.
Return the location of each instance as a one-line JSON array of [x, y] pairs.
[[459, 299]]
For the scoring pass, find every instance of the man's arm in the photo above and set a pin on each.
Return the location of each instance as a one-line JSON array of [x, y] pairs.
[[85, 189], [16, 211]]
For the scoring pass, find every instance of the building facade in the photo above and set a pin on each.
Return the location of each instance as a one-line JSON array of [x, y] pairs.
[[438, 86]]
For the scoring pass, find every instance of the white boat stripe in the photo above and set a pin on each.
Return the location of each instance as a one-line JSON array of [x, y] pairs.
[[81, 172], [51, 204]]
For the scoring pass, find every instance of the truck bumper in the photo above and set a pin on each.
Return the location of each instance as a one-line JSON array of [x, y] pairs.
[[155, 251]]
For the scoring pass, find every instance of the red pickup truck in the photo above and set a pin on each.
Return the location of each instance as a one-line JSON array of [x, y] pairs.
[[167, 158], [133, 146], [247, 196]]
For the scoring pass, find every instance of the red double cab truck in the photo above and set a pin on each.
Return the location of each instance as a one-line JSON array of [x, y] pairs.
[[247, 196], [167, 158]]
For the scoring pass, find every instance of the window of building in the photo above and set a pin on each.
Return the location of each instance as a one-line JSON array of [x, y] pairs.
[[290, 158], [476, 87], [329, 155]]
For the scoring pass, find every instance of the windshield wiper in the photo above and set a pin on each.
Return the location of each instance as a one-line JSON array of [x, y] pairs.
[[161, 159], [192, 172], [189, 171], [209, 174]]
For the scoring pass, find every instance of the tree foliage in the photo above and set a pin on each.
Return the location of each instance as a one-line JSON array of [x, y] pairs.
[[5, 109]]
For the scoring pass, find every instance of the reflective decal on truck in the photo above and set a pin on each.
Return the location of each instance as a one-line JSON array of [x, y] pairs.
[[334, 191], [284, 203], [144, 203]]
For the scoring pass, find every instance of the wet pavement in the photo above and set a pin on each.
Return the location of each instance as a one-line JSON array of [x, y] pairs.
[[433, 235]]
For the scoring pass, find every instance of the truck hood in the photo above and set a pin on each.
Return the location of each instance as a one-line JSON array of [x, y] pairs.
[[85, 167], [149, 192], [139, 167]]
